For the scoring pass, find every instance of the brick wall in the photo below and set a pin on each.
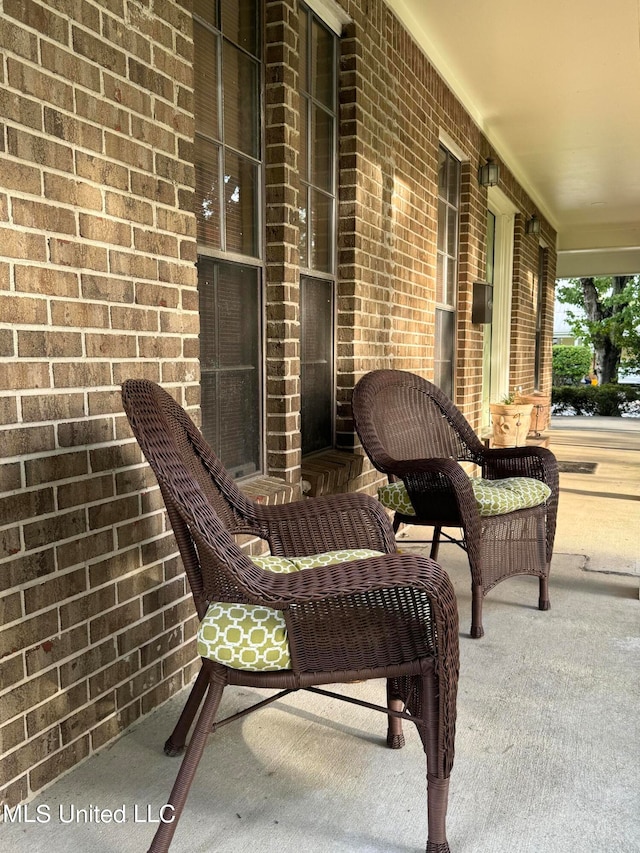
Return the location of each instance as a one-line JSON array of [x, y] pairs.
[[282, 256], [97, 284], [395, 110]]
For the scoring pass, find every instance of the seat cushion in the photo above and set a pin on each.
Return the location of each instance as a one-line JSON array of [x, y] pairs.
[[497, 497], [252, 637], [493, 497]]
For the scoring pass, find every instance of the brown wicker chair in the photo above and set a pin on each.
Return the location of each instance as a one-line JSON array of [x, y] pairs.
[[390, 616], [412, 432]]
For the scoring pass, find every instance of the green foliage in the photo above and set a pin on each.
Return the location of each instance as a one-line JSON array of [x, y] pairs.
[[612, 318], [570, 364], [608, 400]]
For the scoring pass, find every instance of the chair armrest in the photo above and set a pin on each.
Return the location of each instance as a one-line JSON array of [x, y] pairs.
[[439, 489], [389, 571], [326, 523], [536, 462], [388, 610]]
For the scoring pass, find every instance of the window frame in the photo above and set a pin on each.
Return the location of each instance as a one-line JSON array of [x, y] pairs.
[[440, 306], [221, 255], [308, 273], [538, 345]]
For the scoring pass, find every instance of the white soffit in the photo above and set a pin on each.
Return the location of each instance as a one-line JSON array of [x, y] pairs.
[[555, 86]]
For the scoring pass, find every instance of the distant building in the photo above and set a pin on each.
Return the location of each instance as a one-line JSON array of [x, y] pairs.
[[562, 333]]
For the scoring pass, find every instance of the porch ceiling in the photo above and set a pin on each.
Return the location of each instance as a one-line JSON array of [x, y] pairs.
[[555, 86]]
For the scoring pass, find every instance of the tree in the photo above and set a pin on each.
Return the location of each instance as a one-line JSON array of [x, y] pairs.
[[611, 320]]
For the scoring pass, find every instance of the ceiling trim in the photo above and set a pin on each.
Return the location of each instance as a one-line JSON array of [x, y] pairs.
[[588, 262]]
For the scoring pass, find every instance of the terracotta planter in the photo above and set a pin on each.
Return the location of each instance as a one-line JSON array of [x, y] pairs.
[[541, 411], [510, 423]]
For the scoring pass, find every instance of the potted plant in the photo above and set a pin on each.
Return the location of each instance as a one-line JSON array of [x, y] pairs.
[[510, 421], [541, 410]]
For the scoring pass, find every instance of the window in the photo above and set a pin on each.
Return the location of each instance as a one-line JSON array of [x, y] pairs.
[[487, 333], [537, 364], [317, 216], [228, 167], [447, 269], [230, 362]]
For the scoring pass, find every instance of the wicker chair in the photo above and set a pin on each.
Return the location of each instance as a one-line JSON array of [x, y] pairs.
[[389, 616], [412, 432]]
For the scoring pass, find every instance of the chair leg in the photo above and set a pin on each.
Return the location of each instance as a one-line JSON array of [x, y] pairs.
[[396, 522], [175, 804], [437, 782], [477, 594], [437, 799], [395, 736], [435, 542], [174, 744], [543, 601]]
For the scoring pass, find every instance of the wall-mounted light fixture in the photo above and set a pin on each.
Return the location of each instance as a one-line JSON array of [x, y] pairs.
[[533, 225], [489, 174]]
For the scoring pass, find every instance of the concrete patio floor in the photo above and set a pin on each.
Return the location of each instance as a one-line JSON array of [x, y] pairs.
[[547, 739]]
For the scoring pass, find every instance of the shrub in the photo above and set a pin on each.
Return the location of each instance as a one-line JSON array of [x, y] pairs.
[[570, 364], [607, 400]]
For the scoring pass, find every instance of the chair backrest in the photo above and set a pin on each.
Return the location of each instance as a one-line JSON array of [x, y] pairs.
[[400, 416], [205, 507]]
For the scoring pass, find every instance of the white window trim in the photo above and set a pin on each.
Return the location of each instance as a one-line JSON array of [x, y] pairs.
[[453, 147], [331, 13], [504, 211]]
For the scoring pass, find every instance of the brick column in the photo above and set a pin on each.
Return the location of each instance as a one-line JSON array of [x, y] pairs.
[[282, 265]]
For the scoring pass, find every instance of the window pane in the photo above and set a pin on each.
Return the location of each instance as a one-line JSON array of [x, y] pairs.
[[208, 322], [239, 433], [452, 232], [451, 281], [237, 316], [230, 358], [241, 112], [303, 161], [322, 135], [441, 264], [442, 172], [207, 10], [232, 429], [491, 246], [443, 368], [239, 23], [321, 231], [207, 195], [316, 364], [537, 370], [240, 204], [453, 180], [303, 217], [442, 226], [206, 82], [447, 269], [323, 87]]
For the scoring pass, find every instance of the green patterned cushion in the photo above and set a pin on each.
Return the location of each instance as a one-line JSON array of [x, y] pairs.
[[494, 497], [394, 496], [247, 636], [497, 497]]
